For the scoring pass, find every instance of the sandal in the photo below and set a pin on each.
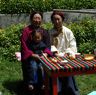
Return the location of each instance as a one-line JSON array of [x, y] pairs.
[[43, 87], [30, 87]]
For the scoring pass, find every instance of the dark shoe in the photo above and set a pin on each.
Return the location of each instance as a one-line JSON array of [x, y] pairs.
[[59, 93], [42, 87], [30, 87]]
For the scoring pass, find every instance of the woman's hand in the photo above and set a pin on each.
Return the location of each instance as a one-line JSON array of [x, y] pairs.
[[59, 54], [35, 56], [56, 54], [45, 54]]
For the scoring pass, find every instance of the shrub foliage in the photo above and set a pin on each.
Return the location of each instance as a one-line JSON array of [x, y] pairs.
[[26, 6], [10, 41], [84, 31]]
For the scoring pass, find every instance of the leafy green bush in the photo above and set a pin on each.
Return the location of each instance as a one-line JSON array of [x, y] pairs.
[[10, 41], [26, 6], [84, 31], [87, 47]]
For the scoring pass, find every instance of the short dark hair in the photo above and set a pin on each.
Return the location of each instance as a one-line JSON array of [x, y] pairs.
[[33, 33], [35, 12], [57, 13]]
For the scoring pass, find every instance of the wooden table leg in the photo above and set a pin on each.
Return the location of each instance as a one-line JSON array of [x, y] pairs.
[[46, 82], [54, 86]]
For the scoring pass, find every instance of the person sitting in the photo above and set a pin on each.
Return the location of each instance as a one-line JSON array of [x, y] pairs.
[[27, 54], [37, 45], [39, 48], [63, 39]]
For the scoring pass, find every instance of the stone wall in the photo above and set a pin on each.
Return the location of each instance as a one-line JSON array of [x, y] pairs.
[[8, 19], [70, 15]]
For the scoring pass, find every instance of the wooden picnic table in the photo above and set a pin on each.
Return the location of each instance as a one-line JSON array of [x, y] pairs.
[[78, 66]]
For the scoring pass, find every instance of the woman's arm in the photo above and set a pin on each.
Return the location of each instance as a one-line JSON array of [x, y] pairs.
[[71, 44], [25, 52], [46, 50]]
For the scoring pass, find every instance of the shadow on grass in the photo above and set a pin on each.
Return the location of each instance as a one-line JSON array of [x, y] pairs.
[[16, 87]]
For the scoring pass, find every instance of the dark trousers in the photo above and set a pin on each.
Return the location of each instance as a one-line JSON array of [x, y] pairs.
[[68, 86], [33, 73]]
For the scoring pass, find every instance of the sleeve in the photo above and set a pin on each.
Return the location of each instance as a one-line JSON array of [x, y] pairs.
[[25, 52], [72, 43], [46, 50], [46, 38]]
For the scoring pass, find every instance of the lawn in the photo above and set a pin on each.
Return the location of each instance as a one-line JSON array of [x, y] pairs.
[[11, 79]]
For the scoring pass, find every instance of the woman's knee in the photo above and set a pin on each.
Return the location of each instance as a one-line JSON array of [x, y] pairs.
[[33, 65]]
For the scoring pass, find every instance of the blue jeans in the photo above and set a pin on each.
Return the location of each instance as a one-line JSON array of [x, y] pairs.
[[68, 85], [33, 73]]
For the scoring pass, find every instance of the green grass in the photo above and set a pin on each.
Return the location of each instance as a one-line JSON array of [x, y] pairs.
[[86, 83], [11, 76]]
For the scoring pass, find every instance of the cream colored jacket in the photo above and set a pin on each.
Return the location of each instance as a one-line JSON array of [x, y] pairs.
[[65, 41]]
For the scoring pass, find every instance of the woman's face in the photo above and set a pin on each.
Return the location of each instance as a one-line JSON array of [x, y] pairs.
[[57, 21], [37, 19]]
